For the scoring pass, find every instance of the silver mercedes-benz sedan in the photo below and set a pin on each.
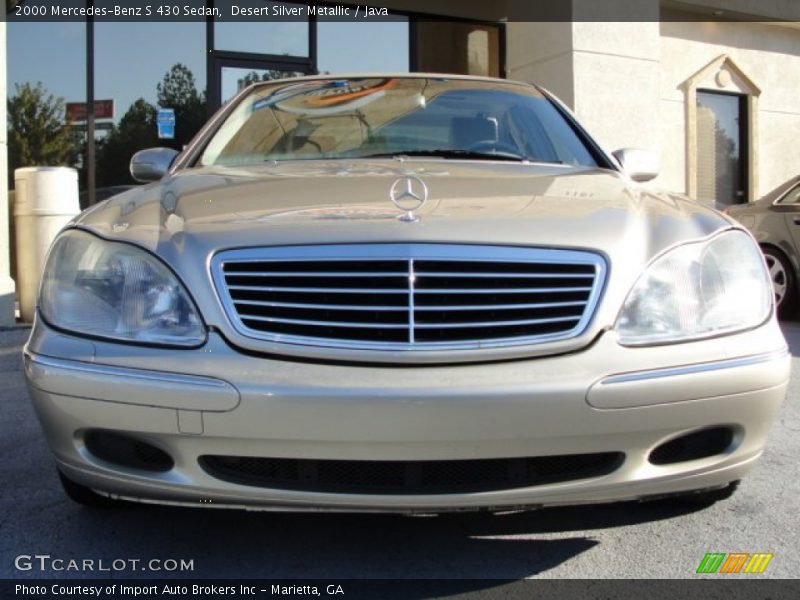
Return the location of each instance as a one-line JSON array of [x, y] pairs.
[[402, 293]]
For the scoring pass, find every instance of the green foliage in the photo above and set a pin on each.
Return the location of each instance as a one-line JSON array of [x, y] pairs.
[[136, 130], [254, 77], [38, 133], [178, 91]]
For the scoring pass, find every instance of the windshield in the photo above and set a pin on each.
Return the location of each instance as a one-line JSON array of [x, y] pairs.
[[371, 117]]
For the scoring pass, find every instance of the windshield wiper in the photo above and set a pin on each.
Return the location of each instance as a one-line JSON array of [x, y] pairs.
[[450, 153]]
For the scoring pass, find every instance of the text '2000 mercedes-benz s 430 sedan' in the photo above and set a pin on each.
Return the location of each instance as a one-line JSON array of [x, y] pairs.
[[402, 293]]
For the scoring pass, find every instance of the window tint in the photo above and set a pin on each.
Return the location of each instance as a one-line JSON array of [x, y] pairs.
[[363, 47], [453, 47]]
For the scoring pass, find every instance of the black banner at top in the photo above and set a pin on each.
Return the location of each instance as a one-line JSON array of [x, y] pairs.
[[510, 10]]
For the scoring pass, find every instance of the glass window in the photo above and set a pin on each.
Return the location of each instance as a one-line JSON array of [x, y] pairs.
[[374, 46], [462, 48], [793, 197], [169, 72], [721, 154], [46, 69], [234, 79], [262, 35], [352, 118]]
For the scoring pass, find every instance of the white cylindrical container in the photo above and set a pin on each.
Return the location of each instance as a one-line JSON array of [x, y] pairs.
[[46, 199]]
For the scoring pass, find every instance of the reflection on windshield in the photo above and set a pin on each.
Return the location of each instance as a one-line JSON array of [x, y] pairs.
[[356, 118]]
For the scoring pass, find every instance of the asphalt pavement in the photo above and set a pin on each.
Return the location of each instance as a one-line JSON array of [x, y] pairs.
[[649, 540]]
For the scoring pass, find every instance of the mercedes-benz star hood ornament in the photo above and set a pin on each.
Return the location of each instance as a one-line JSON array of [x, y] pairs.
[[408, 193]]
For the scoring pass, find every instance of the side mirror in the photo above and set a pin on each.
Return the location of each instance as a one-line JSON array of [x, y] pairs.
[[152, 164], [639, 164]]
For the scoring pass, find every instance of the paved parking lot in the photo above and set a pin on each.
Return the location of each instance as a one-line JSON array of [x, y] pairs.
[[619, 541]]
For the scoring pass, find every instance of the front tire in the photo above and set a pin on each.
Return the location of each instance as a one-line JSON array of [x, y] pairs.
[[783, 281]]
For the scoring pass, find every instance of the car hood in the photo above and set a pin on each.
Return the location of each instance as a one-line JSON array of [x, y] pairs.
[[312, 202], [188, 217]]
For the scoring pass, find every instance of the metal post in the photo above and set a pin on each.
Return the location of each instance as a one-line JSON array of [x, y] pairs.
[[7, 287], [211, 72], [90, 142]]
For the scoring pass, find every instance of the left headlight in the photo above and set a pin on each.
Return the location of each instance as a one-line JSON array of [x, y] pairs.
[[115, 290], [696, 290]]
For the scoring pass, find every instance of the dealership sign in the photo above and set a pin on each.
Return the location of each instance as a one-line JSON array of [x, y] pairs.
[[104, 126], [103, 109], [165, 120]]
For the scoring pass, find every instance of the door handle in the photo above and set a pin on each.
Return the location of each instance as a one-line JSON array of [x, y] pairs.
[[796, 220]]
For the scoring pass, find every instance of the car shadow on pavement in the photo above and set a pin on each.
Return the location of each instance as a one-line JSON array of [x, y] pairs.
[[315, 545]]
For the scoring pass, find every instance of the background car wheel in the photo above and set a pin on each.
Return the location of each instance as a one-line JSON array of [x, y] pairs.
[[783, 281], [84, 495]]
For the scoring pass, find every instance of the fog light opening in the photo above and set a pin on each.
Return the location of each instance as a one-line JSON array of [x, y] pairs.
[[694, 445], [127, 452]]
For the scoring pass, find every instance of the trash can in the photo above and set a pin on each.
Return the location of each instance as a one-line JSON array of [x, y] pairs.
[[46, 199]]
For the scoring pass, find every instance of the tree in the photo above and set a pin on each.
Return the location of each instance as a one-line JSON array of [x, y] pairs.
[[136, 130], [254, 77], [38, 133], [178, 91]]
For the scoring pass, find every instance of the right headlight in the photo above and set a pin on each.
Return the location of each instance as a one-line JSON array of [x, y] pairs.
[[696, 290], [115, 290]]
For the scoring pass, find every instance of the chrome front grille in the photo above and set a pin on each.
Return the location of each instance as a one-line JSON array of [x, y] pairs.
[[408, 296]]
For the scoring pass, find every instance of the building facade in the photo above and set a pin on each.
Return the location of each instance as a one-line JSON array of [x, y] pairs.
[[710, 85]]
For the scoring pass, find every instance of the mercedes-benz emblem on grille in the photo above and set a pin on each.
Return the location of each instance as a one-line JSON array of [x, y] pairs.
[[409, 194]]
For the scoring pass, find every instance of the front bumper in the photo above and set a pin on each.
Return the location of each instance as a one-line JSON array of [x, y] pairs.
[[215, 400]]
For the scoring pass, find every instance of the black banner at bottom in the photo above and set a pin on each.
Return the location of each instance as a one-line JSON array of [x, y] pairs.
[[406, 589]]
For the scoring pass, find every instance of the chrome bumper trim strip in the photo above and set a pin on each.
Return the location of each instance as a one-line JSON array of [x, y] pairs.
[[128, 373], [696, 368]]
